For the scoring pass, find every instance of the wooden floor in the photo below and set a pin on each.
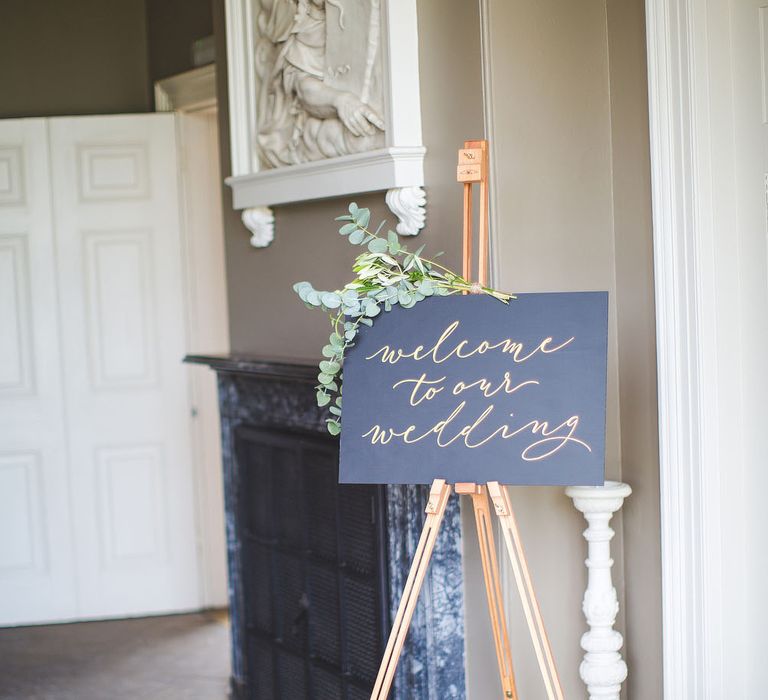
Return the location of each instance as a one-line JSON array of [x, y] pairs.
[[177, 657]]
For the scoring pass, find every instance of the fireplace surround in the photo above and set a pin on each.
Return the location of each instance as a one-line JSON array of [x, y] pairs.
[[316, 568]]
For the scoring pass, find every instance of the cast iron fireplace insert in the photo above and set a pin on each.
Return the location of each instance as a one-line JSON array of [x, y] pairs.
[[313, 570]]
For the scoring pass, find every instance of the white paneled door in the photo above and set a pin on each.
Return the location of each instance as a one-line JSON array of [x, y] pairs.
[[96, 494], [37, 569]]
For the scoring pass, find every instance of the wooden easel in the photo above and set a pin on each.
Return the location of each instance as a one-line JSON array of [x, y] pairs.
[[473, 168]]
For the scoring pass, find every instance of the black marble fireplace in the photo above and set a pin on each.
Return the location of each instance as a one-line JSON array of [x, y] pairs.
[[316, 568]]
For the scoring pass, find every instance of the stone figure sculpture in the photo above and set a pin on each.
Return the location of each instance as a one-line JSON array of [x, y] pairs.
[[319, 80]]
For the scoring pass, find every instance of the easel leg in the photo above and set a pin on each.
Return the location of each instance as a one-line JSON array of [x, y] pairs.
[[541, 645], [467, 240], [438, 499], [480, 503]]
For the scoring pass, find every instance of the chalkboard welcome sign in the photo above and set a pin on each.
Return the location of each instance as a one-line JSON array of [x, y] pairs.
[[471, 389]]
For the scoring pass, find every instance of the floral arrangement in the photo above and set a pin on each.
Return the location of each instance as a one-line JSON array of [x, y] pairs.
[[386, 273]]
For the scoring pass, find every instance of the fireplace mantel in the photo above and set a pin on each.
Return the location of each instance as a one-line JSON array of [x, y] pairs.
[[264, 396]]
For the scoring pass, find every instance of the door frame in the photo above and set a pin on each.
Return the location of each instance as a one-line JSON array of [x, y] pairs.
[[191, 94], [696, 273]]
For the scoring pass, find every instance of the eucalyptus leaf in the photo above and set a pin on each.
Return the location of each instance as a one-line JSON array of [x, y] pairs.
[[426, 288], [331, 300], [372, 309], [352, 310], [363, 218], [378, 245], [357, 237], [329, 367], [346, 229]]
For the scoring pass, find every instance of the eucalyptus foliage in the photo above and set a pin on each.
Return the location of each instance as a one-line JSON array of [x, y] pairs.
[[386, 274]]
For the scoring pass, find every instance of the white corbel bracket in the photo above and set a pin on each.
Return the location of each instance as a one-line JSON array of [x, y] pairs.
[[408, 204], [260, 221]]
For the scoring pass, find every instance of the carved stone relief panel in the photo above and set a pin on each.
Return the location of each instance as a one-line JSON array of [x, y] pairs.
[[324, 101], [318, 70]]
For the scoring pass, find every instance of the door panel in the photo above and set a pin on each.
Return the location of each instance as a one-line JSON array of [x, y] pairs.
[[119, 247], [37, 574]]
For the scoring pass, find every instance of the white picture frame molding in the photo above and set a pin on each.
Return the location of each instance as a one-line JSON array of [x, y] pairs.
[[397, 169]]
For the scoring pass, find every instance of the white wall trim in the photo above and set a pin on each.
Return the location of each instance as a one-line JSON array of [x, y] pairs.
[[355, 173], [683, 213], [188, 92]]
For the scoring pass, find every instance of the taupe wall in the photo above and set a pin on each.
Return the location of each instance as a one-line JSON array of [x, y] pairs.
[[172, 27], [266, 317], [63, 57], [73, 57], [572, 211]]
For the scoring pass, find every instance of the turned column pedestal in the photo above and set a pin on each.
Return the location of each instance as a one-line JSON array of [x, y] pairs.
[[602, 670]]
